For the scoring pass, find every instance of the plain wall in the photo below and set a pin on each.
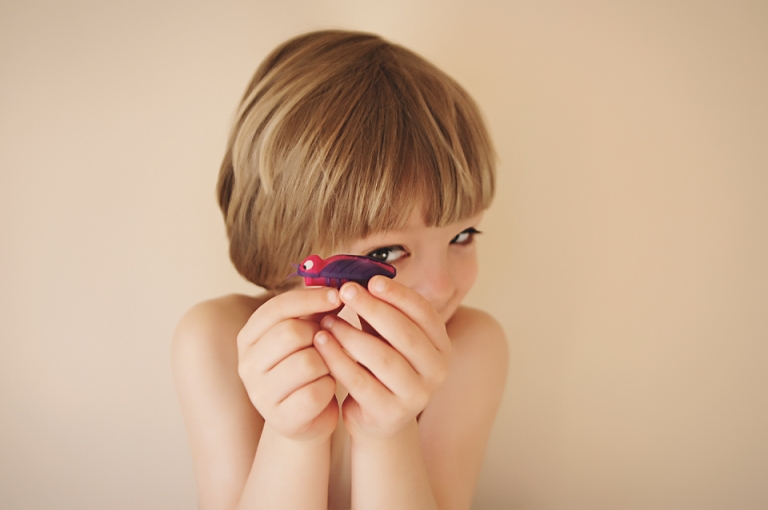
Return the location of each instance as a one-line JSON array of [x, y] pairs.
[[625, 254]]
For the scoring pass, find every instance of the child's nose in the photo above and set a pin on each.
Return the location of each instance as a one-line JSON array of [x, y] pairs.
[[435, 284]]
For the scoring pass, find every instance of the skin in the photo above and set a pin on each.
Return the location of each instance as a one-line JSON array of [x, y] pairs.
[[257, 379]]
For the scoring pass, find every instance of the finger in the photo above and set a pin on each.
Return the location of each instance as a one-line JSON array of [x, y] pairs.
[[291, 304], [313, 399], [284, 339], [317, 317], [369, 329], [294, 372], [383, 361], [414, 306], [358, 381], [393, 325]]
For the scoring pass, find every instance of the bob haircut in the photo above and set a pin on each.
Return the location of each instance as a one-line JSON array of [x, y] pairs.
[[341, 135]]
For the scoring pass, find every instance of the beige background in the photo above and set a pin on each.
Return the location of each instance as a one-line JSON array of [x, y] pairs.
[[625, 254]]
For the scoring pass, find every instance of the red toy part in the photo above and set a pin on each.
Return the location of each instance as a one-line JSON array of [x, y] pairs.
[[335, 271]]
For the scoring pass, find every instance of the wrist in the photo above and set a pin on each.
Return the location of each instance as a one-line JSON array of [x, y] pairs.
[[311, 441], [281, 465], [389, 471], [385, 441]]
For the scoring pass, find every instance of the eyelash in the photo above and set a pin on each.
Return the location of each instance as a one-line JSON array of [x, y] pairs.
[[471, 232], [388, 250]]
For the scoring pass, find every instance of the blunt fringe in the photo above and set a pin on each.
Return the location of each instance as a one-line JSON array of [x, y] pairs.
[[340, 135]]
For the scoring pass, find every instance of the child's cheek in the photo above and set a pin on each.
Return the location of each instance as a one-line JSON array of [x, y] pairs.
[[466, 269]]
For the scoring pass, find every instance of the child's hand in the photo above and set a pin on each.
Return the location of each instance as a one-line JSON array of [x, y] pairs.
[[286, 380], [404, 369]]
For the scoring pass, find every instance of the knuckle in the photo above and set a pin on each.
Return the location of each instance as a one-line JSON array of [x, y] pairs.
[[438, 376], [242, 372], [441, 373], [296, 331], [245, 367], [384, 360], [291, 328], [412, 338], [300, 362], [315, 397], [306, 399], [242, 340], [424, 308], [259, 400], [308, 362], [419, 398], [358, 381], [323, 389]]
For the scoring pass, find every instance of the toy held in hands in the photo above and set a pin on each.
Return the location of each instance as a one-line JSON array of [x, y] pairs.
[[335, 271]]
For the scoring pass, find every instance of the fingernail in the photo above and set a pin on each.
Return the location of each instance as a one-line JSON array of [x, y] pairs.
[[333, 297], [327, 322], [348, 291], [321, 338], [379, 283]]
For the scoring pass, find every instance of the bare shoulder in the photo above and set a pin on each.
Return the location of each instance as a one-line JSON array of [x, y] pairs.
[[477, 370], [215, 317], [205, 340], [478, 340], [211, 327]]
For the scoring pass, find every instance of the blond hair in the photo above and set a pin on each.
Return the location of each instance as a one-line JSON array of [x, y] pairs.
[[340, 135]]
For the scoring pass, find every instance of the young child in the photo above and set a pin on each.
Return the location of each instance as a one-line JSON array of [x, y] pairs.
[[346, 143]]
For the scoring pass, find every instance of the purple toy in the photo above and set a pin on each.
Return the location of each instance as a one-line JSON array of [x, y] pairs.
[[335, 271]]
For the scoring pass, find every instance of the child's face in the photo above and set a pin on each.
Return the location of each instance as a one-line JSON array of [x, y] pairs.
[[440, 263]]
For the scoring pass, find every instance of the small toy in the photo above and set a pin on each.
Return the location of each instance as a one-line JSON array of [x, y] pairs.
[[335, 271]]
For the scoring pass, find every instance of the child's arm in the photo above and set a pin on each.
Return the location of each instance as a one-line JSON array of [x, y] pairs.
[[224, 374], [399, 460]]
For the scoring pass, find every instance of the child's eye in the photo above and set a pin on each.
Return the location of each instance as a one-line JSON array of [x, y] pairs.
[[466, 236], [387, 254]]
